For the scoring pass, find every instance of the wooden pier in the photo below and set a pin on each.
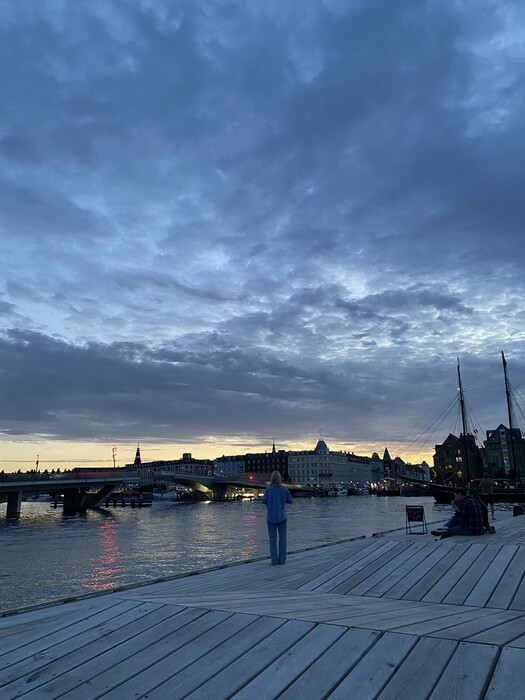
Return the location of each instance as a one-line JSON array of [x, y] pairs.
[[394, 616]]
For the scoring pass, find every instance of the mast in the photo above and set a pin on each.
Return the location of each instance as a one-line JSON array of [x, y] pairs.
[[509, 411], [464, 424]]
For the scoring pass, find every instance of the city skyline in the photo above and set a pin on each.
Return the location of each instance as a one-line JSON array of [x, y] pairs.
[[225, 224]]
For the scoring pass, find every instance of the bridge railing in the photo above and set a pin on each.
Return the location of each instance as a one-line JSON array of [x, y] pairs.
[[45, 476]]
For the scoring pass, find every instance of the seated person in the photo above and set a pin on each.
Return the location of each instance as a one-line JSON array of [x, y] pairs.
[[467, 520], [484, 511]]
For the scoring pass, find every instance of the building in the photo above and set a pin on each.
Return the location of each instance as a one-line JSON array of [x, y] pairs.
[[152, 472], [450, 459], [260, 465], [505, 453], [230, 465], [323, 466]]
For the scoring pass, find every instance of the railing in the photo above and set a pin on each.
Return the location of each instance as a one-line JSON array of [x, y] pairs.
[[46, 476]]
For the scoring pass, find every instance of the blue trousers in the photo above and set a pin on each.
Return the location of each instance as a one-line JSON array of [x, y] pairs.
[[456, 527], [273, 529]]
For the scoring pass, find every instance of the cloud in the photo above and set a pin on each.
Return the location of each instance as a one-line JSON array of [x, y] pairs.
[[234, 213]]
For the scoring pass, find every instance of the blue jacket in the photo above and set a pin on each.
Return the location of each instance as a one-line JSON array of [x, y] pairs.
[[275, 498]]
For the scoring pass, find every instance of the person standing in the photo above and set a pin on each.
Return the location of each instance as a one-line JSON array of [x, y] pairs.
[[487, 492], [275, 497]]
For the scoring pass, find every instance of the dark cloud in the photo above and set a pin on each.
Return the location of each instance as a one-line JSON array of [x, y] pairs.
[[222, 218]]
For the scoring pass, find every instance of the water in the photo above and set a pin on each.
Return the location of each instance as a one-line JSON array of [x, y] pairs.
[[46, 555]]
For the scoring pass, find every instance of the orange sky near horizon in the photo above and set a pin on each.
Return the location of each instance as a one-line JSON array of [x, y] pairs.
[[66, 455]]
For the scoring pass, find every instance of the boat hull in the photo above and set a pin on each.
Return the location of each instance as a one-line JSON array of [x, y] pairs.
[[445, 494]]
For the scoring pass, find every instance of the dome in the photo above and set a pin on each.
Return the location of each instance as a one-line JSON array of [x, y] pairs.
[[321, 446]]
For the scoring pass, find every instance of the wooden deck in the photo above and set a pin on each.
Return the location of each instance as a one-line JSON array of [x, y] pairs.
[[396, 616]]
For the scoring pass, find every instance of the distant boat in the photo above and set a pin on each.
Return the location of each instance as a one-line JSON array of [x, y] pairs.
[[337, 491], [161, 495], [389, 491]]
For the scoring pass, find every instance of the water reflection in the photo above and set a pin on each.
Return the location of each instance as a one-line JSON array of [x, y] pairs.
[[250, 545], [107, 570]]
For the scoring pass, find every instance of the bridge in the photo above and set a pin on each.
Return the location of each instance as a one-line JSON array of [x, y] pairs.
[[79, 492], [220, 486]]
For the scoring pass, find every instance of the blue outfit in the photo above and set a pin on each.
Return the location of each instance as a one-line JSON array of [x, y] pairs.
[[468, 520], [275, 498]]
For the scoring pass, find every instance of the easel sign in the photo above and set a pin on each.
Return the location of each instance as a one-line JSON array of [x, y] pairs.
[[415, 517]]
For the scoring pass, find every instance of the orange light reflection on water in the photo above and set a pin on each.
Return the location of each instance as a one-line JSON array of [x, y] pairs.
[[106, 571], [250, 546]]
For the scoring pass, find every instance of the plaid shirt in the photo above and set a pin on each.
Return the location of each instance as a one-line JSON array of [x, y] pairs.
[[471, 516]]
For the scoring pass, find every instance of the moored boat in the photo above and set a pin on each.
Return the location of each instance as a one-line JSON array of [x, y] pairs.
[[445, 494], [505, 491]]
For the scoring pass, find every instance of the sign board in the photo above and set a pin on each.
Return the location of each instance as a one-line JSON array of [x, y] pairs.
[[415, 518]]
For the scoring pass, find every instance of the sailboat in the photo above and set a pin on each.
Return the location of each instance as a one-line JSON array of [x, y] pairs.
[[514, 494]]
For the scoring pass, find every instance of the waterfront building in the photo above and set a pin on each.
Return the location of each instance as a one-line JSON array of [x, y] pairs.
[[450, 458], [502, 449], [323, 466], [421, 472], [230, 465], [318, 466], [400, 468], [260, 465], [152, 472], [364, 470]]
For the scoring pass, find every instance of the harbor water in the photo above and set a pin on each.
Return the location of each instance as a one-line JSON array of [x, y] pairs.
[[46, 555]]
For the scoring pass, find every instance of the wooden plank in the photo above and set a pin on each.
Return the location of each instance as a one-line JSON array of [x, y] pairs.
[[518, 642], [467, 672], [67, 652], [384, 586], [419, 672], [146, 676], [348, 616], [414, 584], [331, 568], [18, 620], [488, 582], [135, 666], [201, 671], [373, 571], [24, 627], [518, 601], [439, 590], [332, 666], [405, 621], [248, 666], [508, 583], [109, 666], [400, 620], [375, 669], [346, 568], [503, 634], [445, 622], [47, 634], [467, 629], [285, 670], [460, 591]]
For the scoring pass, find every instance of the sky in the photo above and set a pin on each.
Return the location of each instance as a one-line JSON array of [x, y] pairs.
[[224, 223]]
